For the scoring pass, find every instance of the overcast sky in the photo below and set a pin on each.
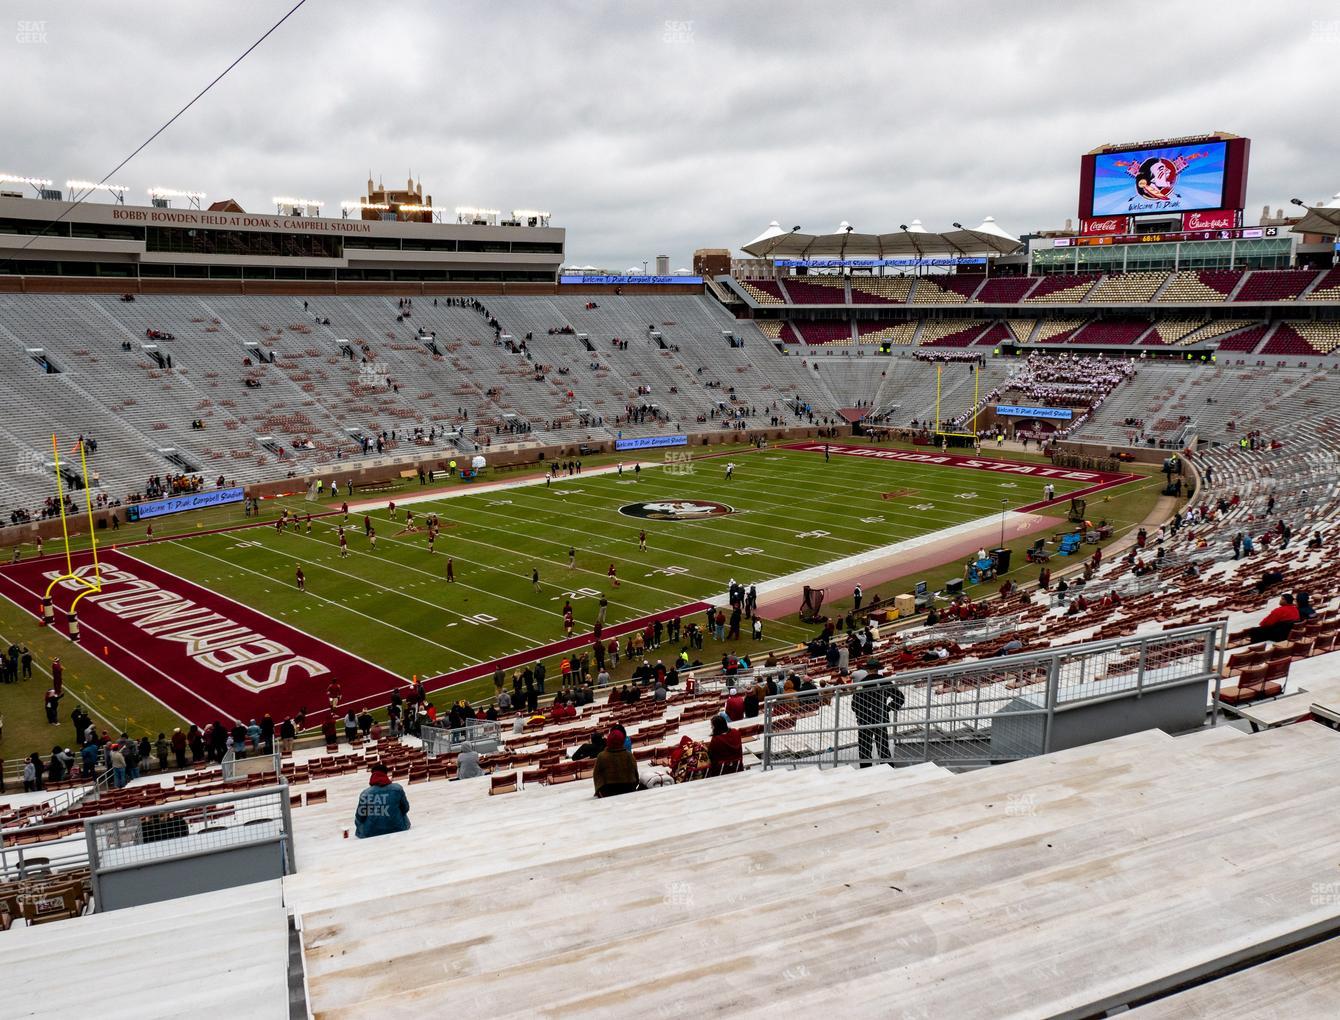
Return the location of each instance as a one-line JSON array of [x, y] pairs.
[[658, 128]]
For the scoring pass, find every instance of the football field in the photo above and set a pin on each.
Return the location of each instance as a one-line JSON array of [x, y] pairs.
[[390, 612]]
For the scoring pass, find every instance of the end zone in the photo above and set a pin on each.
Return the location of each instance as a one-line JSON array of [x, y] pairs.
[[202, 655]]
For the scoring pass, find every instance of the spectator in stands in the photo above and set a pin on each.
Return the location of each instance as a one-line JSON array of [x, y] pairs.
[[467, 763], [724, 751], [1303, 601], [32, 777], [178, 743], [88, 758], [616, 770], [871, 703], [1278, 622], [58, 767], [734, 709], [117, 761], [591, 748], [382, 808]]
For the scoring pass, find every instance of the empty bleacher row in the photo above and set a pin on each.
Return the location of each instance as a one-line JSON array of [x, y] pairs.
[[252, 388], [260, 386], [1220, 402], [1303, 337], [557, 906], [1194, 286]]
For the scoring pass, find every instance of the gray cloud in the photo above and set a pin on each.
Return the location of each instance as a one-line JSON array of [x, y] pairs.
[[657, 128]]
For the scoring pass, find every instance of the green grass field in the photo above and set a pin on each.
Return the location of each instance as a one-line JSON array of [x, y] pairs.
[[394, 606]]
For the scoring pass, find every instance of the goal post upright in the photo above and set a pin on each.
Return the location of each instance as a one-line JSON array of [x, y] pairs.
[[69, 575]]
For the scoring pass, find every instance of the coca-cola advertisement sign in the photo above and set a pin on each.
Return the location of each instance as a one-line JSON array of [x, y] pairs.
[[1104, 225], [1215, 219]]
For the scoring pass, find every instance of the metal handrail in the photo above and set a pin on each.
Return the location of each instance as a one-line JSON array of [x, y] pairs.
[[279, 791], [935, 715]]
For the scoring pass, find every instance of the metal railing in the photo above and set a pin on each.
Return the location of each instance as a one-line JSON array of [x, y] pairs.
[[481, 734], [1126, 585], [947, 714], [22, 861], [964, 632], [187, 829], [233, 768]]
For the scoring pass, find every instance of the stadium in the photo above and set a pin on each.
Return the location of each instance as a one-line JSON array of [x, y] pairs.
[[922, 622]]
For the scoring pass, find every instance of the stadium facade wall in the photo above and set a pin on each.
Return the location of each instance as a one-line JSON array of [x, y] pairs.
[[300, 288]]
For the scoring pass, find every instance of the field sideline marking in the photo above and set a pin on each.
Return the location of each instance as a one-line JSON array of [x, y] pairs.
[[776, 584]]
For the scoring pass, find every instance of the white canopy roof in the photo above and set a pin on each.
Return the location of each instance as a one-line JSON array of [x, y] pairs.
[[774, 229], [913, 241], [1321, 219]]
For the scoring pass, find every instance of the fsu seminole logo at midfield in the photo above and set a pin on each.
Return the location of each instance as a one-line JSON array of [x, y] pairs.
[[677, 510]]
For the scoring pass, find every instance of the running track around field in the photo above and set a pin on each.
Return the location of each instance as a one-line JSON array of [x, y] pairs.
[[209, 657]]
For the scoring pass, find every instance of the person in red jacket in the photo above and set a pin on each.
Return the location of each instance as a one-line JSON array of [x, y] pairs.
[[723, 750], [1278, 622], [735, 706]]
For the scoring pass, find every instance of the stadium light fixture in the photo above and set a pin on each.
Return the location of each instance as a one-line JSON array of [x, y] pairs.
[[163, 194], [36, 182], [117, 191], [542, 218], [796, 229], [958, 225], [306, 203], [1296, 201], [469, 214], [347, 207]]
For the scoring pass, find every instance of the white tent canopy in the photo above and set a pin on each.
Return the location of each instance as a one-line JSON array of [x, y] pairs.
[[774, 229], [1321, 219], [913, 241]]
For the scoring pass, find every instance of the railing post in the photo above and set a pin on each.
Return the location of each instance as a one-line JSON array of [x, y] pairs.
[[767, 734], [1053, 694], [926, 726], [91, 841], [290, 853], [1215, 667], [837, 729], [1140, 669]]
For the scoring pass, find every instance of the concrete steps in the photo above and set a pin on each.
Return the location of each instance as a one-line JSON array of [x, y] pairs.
[[916, 885]]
